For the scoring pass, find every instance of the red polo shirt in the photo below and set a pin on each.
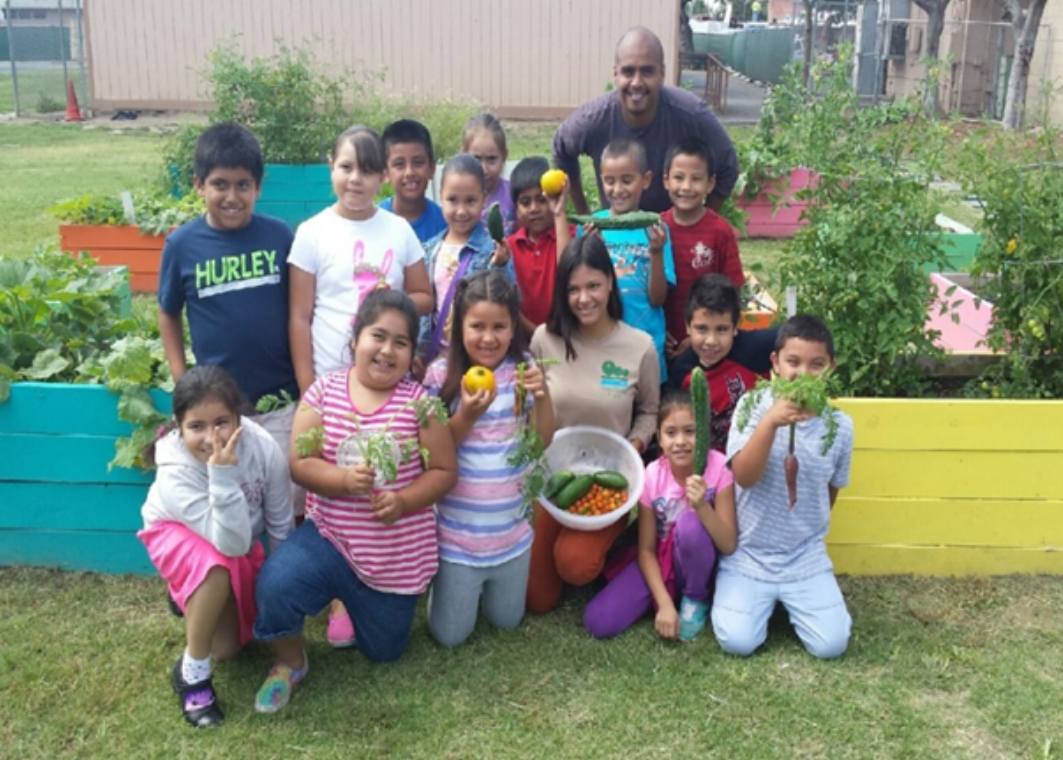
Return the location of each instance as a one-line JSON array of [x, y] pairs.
[[535, 264]]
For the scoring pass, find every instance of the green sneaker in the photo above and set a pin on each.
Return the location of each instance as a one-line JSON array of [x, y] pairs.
[[276, 690], [692, 616]]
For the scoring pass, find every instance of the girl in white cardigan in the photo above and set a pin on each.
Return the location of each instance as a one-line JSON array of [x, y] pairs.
[[221, 482]]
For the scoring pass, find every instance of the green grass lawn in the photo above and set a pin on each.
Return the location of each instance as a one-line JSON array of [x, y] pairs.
[[39, 90], [44, 163], [945, 669]]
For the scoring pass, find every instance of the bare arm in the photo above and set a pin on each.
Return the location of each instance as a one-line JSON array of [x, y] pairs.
[[719, 517], [314, 473], [172, 332], [667, 620], [301, 293], [658, 287], [749, 463], [833, 492], [440, 475], [418, 287]]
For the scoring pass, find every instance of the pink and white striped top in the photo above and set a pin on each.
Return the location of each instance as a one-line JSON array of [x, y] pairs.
[[399, 558]]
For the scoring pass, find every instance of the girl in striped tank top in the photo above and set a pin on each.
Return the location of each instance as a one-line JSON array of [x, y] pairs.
[[484, 535], [369, 539]]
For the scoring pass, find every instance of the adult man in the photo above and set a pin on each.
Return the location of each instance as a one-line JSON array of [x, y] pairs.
[[643, 108]]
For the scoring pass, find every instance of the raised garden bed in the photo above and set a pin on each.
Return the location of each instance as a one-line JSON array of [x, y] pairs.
[[780, 217], [295, 193], [122, 245], [60, 506]]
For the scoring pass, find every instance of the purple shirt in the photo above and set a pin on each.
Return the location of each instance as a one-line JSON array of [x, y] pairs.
[[680, 114], [504, 199]]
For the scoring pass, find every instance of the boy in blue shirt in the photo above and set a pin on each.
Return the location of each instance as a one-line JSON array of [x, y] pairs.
[[642, 258], [781, 554], [229, 270], [410, 166]]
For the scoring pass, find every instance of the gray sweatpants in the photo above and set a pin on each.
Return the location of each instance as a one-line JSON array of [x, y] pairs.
[[454, 600]]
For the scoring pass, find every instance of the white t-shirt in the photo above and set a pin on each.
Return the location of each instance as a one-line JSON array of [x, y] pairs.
[[349, 260]]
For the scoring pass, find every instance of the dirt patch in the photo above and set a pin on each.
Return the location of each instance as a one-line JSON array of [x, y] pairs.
[[963, 728]]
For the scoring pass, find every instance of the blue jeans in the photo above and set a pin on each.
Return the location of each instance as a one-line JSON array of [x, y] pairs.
[[742, 606], [306, 573]]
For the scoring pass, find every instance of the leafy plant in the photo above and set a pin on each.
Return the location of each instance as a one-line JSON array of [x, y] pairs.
[[1019, 183], [90, 209], [155, 213], [859, 261], [271, 403]]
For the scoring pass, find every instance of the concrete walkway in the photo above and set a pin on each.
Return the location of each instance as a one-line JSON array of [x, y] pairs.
[[744, 99]]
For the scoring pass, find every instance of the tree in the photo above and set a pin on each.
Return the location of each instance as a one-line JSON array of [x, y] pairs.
[[935, 25], [810, 25], [1024, 25], [686, 34]]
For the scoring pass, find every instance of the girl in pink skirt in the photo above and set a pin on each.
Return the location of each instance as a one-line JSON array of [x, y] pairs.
[[221, 482]]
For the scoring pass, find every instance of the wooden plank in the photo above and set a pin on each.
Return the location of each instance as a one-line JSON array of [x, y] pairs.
[[71, 506], [88, 237], [26, 457], [943, 561], [957, 474], [64, 408], [947, 522], [956, 424], [72, 550]]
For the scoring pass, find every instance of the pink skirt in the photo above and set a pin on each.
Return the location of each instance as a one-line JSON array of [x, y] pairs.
[[184, 558]]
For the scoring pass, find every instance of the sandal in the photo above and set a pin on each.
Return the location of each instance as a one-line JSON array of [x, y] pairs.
[[199, 703], [276, 691]]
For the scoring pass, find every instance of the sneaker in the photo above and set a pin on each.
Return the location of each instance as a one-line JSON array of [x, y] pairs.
[[692, 616], [340, 630], [174, 609], [199, 703], [276, 690]]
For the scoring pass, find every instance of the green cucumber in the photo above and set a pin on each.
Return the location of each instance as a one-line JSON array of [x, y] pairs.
[[495, 224], [635, 220], [574, 491], [556, 482], [610, 479]]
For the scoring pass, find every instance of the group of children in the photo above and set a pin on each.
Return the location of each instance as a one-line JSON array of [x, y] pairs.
[[324, 362]]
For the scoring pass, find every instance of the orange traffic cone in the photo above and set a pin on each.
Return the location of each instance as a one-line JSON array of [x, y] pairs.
[[73, 112]]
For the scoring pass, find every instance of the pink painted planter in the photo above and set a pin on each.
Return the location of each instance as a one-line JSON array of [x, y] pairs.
[[968, 335], [766, 221]]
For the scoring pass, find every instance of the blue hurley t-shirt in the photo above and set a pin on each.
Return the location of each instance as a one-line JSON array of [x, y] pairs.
[[235, 287], [630, 252], [427, 225]]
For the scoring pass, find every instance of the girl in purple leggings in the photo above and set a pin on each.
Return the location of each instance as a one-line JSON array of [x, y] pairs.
[[684, 519]]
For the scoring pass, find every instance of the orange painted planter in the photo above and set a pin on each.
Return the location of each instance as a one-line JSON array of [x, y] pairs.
[[123, 245], [760, 310]]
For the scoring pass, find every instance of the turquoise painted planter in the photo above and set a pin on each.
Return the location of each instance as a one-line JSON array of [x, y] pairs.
[[59, 505], [295, 193]]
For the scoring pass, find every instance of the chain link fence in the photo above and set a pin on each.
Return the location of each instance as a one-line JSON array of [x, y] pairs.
[[42, 48]]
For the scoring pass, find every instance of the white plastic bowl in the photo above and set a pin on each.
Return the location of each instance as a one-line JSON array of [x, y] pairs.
[[585, 450]]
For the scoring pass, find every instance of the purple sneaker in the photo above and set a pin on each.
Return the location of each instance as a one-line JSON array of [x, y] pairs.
[[199, 703]]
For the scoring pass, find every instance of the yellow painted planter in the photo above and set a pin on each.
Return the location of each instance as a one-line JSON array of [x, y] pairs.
[[951, 487]]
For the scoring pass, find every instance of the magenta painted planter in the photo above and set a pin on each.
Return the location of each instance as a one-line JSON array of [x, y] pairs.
[[768, 221]]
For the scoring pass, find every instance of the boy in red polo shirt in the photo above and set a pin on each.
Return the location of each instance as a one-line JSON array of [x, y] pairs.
[[542, 233], [703, 242]]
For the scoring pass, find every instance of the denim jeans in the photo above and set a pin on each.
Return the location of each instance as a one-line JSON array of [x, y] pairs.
[[305, 574], [742, 606]]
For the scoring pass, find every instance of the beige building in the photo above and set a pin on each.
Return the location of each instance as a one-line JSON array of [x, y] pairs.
[[521, 59]]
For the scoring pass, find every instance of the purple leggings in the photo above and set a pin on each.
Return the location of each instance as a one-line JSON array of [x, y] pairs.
[[627, 597]]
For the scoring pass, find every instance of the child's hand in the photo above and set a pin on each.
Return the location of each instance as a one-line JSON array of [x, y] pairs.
[[475, 404], [785, 412], [359, 480], [590, 228], [502, 254], [639, 445], [658, 236], [673, 348], [667, 622], [535, 382], [696, 490], [224, 455], [387, 506]]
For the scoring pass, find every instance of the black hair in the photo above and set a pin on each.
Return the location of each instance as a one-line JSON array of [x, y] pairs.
[[407, 131], [204, 382], [672, 399], [229, 146], [527, 173], [484, 121], [691, 146], [493, 287], [589, 251], [379, 301], [716, 294], [368, 149], [463, 163], [805, 327], [625, 147]]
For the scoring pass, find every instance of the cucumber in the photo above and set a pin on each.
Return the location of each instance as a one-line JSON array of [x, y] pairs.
[[556, 482], [636, 220], [495, 224], [610, 479], [574, 491]]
